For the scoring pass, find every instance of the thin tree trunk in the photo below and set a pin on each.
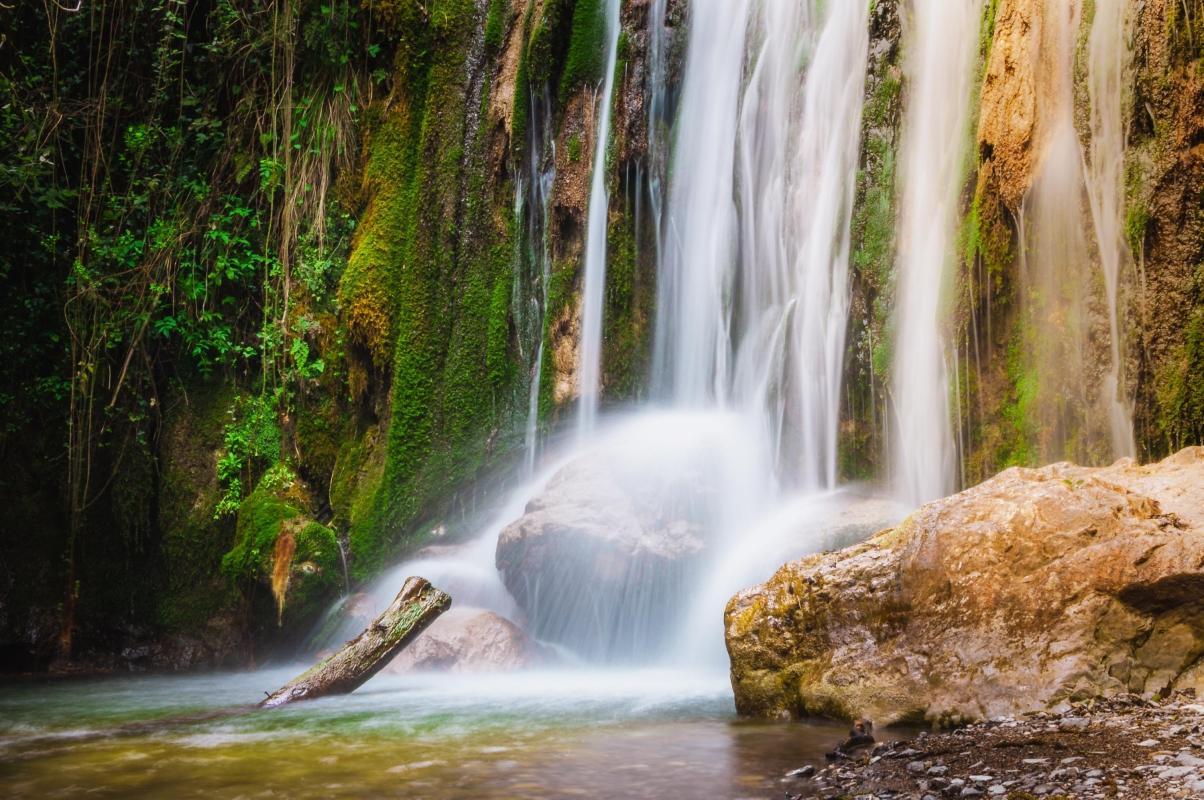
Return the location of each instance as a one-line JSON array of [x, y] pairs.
[[416, 606]]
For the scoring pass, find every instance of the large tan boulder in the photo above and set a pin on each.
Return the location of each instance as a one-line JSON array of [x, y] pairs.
[[1036, 587]]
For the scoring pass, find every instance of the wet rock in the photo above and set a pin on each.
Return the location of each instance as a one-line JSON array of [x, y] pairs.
[[1035, 586], [471, 640], [594, 547]]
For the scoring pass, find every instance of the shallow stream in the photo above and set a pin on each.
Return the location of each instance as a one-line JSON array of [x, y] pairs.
[[632, 734]]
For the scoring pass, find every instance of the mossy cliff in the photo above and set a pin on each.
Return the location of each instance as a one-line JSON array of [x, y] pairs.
[[249, 497]]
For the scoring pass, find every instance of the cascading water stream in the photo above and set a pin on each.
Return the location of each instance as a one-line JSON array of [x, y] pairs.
[[691, 351], [734, 469], [1107, 53], [1071, 213], [942, 38], [658, 121], [590, 362], [540, 180], [754, 288]]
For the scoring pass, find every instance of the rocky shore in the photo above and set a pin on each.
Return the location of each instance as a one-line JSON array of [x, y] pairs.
[[1124, 747]]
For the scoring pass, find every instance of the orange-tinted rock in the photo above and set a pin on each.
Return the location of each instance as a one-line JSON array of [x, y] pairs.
[[1035, 587]]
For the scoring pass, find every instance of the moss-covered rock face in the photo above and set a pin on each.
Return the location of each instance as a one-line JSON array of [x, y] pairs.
[[1165, 227], [872, 238], [193, 539], [280, 548], [1033, 588]]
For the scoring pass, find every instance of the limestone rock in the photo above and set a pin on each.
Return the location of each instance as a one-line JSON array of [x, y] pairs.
[[1035, 587], [593, 558], [471, 640]]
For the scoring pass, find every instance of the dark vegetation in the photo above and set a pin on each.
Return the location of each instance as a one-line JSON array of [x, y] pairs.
[[259, 323]]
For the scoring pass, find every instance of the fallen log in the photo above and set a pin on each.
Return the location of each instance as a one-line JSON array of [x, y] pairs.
[[416, 606]]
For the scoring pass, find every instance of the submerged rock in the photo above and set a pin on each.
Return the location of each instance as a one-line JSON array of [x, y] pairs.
[[592, 559], [471, 640], [1035, 587]]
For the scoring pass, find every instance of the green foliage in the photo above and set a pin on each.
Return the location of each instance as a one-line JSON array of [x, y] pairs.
[[573, 146], [251, 441]]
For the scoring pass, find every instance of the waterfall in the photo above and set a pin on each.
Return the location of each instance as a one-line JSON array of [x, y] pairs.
[[647, 522], [753, 291], [690, 352], [941, 45], [540, 181], [657, 92], [590, 364], [1071, 213], [1107, 52]]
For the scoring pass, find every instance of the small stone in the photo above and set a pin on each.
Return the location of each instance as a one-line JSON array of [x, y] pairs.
[[982, 778], [1188, 760], [1044, 789], [1148, 743], [1071, 760], [915, 766], [938, 770], [996, 790], [970, 791], [1095, 773], [1074, 723], [1034, 761]]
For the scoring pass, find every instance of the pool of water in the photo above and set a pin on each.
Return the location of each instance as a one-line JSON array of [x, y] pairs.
[[636, 734]]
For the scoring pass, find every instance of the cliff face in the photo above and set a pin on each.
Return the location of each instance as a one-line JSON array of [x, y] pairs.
[[468, 185]]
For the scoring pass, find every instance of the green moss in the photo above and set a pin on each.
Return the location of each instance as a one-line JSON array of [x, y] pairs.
[[319, 432], [1179, 388], [497, 362], [522, 105], [547, 46], [573, 146], [872, 241], [629, 308], [1019, 412], [586, 57], [192, 541], [495, 24], [317, 571], [260, 517], [453, 370], [1137, 212]]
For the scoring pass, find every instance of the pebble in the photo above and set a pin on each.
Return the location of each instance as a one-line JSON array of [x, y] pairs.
[[985, 759]]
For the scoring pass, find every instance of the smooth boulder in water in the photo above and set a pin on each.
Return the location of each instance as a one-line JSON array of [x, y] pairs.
[[600, 558], [471, 640]]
